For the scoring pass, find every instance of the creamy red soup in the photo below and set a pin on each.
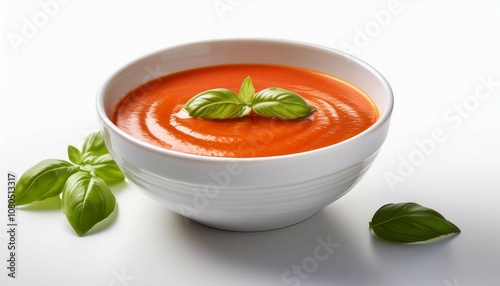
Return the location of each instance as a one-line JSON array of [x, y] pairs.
[[153, 113]]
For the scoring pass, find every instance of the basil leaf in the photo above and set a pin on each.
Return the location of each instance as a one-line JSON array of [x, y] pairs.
[[244, 110], [410, 222], [74, 155], [223, 103], [43, 180], [86, 200], [93, 145], [280, 103], [217, 103], [247, 91], [104, 167]]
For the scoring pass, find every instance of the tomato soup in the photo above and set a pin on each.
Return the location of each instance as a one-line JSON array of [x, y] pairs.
[[153, 112]]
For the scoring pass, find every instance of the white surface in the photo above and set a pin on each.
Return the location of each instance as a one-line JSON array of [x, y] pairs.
[[433, 53]]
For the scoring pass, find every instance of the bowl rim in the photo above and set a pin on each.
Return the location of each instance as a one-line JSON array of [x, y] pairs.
[[384, 117]]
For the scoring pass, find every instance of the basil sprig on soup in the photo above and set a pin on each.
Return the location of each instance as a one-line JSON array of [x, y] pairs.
[[273, 102]]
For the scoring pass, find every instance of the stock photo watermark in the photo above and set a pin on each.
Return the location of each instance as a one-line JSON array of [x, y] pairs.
[[310, 264], [12, 227], [222, 7], [447, 282], [453, 118], [31, 26], [380, 19], [121, 278], [202, 196]]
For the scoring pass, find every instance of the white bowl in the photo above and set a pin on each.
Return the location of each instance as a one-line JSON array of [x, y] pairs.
[[246, 194]]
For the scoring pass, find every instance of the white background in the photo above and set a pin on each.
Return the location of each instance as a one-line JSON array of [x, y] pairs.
[[435, 54]]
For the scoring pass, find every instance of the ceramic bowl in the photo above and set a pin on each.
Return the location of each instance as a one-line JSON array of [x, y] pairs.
[[245, 194]]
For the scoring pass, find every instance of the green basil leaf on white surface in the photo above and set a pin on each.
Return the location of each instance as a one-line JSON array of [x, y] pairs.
[[104, 167], [86, 201], [94, 145], [74, 155], [409, 223], [43, 180]]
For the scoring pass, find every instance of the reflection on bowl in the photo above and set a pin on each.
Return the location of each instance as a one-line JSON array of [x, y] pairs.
[[246, 194]]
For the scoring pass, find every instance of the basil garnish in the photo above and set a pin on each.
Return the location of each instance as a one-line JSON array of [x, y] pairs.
[[280, 103], [86, 198], [44, 180], [410, 222], [104, 167], [93, 145], [222, 103], [215, 104], [74, 155], [247, 90]]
